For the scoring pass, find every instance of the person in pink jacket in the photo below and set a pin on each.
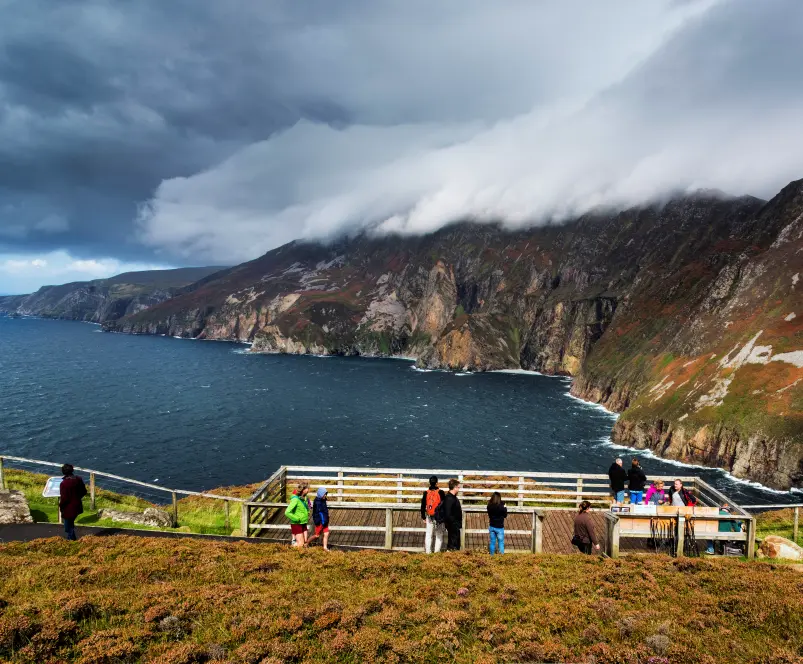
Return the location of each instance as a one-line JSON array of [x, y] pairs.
[[656, 494]]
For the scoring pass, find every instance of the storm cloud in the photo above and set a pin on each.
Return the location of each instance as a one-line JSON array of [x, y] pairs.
[[186, 132]]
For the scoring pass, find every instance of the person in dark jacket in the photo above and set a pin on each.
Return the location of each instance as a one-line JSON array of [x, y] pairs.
[[71, 491], [636, 481], [431, 508], [584, 529], [497, 513], [618, 477], [320, 517], [680, 496], [453, 516]]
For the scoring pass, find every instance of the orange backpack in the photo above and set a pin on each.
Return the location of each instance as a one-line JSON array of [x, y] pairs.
[[433, 501]]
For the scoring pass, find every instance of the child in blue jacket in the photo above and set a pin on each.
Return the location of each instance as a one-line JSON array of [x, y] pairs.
[[320, 517]]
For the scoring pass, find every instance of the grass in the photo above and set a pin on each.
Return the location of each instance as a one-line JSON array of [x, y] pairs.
[[109, 600], [195, 514], [778, 522]]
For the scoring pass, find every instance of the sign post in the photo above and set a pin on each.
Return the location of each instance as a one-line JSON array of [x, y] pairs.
[[51, 490]]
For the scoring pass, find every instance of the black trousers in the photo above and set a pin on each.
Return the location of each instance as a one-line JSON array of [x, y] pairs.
[[585, 548], [453, 531]]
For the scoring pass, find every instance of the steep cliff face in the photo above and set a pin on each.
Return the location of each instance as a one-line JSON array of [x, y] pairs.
[[706, 360], [641, 306], [104, 300]]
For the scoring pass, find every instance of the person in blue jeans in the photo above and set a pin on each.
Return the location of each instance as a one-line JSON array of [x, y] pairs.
[[497, 513], [637, 480]]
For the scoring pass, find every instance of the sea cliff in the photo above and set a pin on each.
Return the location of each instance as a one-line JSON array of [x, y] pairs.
[[686, 316]]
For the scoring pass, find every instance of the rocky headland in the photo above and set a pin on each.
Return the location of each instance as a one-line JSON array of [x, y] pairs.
[[103, 300], [686, 317]]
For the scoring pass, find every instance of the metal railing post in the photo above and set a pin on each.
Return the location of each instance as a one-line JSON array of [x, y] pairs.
[[2, 476], [92, 491], [795, 524], [228, 519], [521, 491], [680, 536], [579, 492], [175, 509], [389, 528], [399, 489], [340, 486]]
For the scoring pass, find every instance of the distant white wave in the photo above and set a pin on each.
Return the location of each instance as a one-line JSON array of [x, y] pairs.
[[591, 404]]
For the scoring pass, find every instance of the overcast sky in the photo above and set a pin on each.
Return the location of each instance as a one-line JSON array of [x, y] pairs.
[[157, 133]]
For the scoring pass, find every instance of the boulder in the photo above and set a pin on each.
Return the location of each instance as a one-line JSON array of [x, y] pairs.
[[14, 508], [150, 517], [774, 546]]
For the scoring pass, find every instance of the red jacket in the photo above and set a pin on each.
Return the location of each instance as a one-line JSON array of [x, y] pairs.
[[71, 490]]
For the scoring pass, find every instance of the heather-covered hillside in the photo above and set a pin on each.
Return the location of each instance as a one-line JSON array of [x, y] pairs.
[[122, 599]]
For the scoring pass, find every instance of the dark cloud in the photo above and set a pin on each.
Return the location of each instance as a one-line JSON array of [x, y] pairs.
[[187, 132]]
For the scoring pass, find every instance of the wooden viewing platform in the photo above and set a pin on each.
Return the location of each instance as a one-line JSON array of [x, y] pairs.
[[380, 509]]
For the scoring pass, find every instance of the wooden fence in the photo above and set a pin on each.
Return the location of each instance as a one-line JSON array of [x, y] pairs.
[[396, 494], [94, 474]]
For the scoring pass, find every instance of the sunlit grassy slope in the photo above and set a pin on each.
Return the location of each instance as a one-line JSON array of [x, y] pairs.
[[120, 599]]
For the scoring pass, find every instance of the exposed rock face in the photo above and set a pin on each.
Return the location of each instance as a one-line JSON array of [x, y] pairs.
[[773, 546], [150, 517], [687, 317], [105, 299], [14, 508], [706, 360]]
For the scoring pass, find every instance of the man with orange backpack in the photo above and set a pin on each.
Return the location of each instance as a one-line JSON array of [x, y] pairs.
[[432, 514]]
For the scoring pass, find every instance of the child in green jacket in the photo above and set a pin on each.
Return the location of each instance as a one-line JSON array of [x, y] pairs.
[[297, 513]]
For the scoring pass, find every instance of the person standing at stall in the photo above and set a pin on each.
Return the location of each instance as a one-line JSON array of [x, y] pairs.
[[618, 477], [636, 481]]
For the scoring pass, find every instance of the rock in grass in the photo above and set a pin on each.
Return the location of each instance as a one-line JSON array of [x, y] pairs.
[[14, 508], [774, 546], [150, 517]]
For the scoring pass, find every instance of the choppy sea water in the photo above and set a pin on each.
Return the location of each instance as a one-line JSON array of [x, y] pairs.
[[196, 415]]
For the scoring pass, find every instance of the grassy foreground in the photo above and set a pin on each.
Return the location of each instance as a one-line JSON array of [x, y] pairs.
[[119, 600]]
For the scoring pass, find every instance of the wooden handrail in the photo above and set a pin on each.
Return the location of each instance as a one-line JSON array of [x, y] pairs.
[[446, 473]]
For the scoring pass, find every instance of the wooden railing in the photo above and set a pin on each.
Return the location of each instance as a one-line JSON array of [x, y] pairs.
[[523, 489], [94, 474], [534, 534], [795, 507]]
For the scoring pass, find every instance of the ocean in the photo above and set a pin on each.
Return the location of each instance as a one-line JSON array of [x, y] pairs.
[[199, 414]]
